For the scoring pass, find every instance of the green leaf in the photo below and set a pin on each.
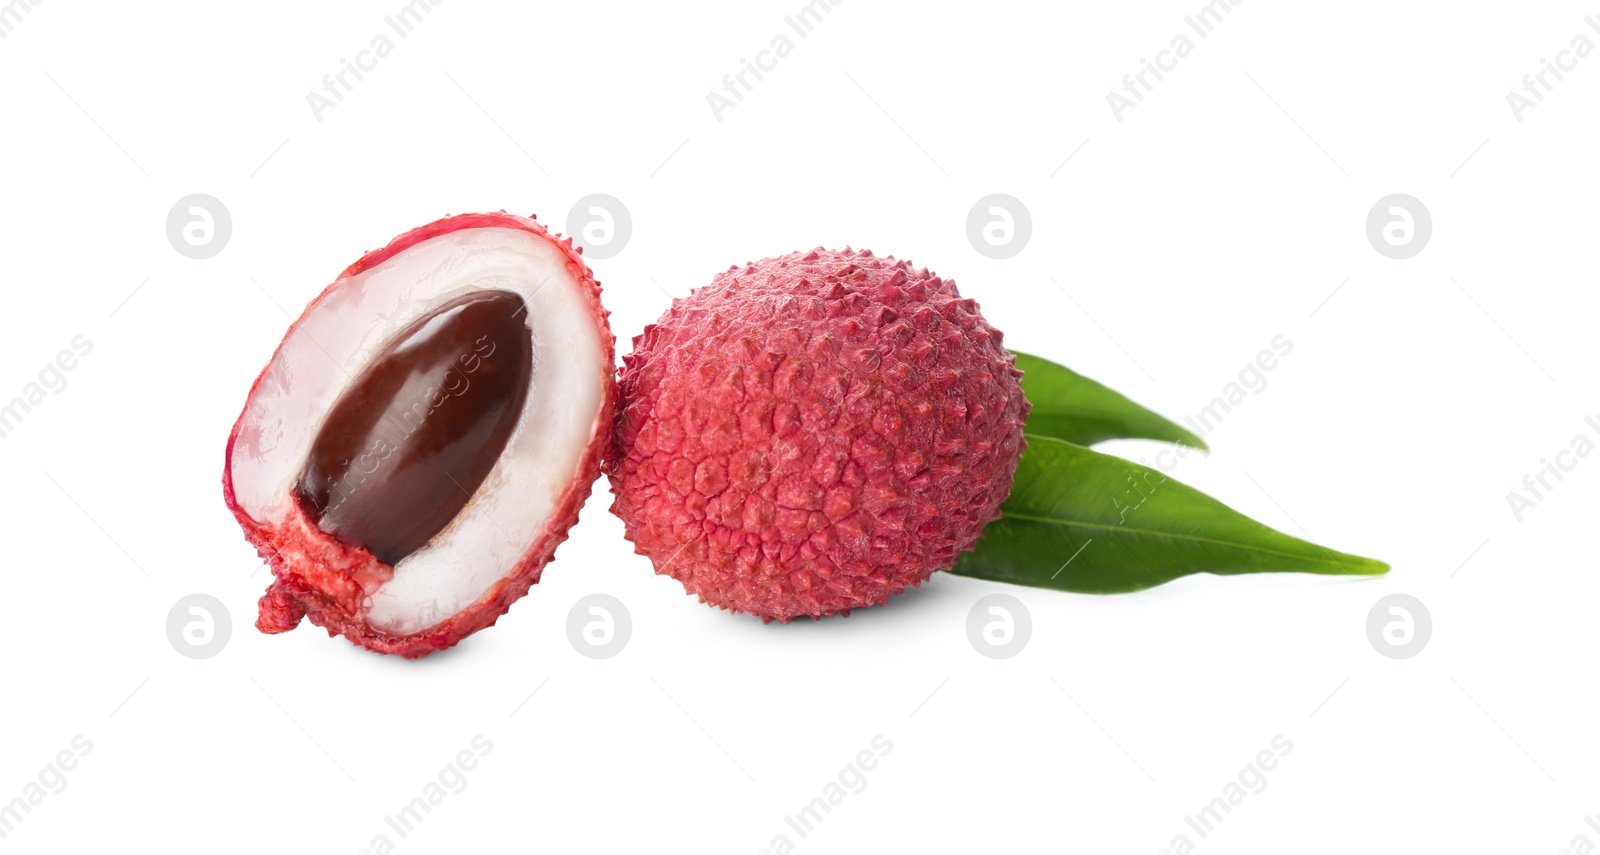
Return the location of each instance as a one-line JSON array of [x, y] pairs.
[[1070, 406], [1079, 520]]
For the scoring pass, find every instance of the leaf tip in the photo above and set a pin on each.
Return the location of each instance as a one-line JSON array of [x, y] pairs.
[[1358, 566]]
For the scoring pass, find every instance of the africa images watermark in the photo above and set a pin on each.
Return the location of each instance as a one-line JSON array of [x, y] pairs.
[[1137, 85], [1537, 84], [737, 84], [851, 781], [1252, 780], [383, 445], [13, 13], [52, 379], [1582, 844], [1537, 485], [337, 84], [51, 781], [451, 780], [1251, 380]]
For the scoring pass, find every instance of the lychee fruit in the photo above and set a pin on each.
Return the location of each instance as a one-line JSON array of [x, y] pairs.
[[814, 433], [424, 436]]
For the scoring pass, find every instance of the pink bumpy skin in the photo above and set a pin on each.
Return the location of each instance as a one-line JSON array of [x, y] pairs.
[[813, 433], [321, 578]]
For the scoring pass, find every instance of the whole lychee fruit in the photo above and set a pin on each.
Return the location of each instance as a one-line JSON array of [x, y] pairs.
[[813, 433]]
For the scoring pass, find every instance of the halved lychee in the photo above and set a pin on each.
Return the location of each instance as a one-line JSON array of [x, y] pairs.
[[424, 436]]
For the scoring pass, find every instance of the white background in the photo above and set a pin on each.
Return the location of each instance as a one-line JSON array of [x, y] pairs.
[[1221, 212]]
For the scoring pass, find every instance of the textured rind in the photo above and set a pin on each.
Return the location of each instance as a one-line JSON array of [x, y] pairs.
[[319, 578], [814, 433]]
